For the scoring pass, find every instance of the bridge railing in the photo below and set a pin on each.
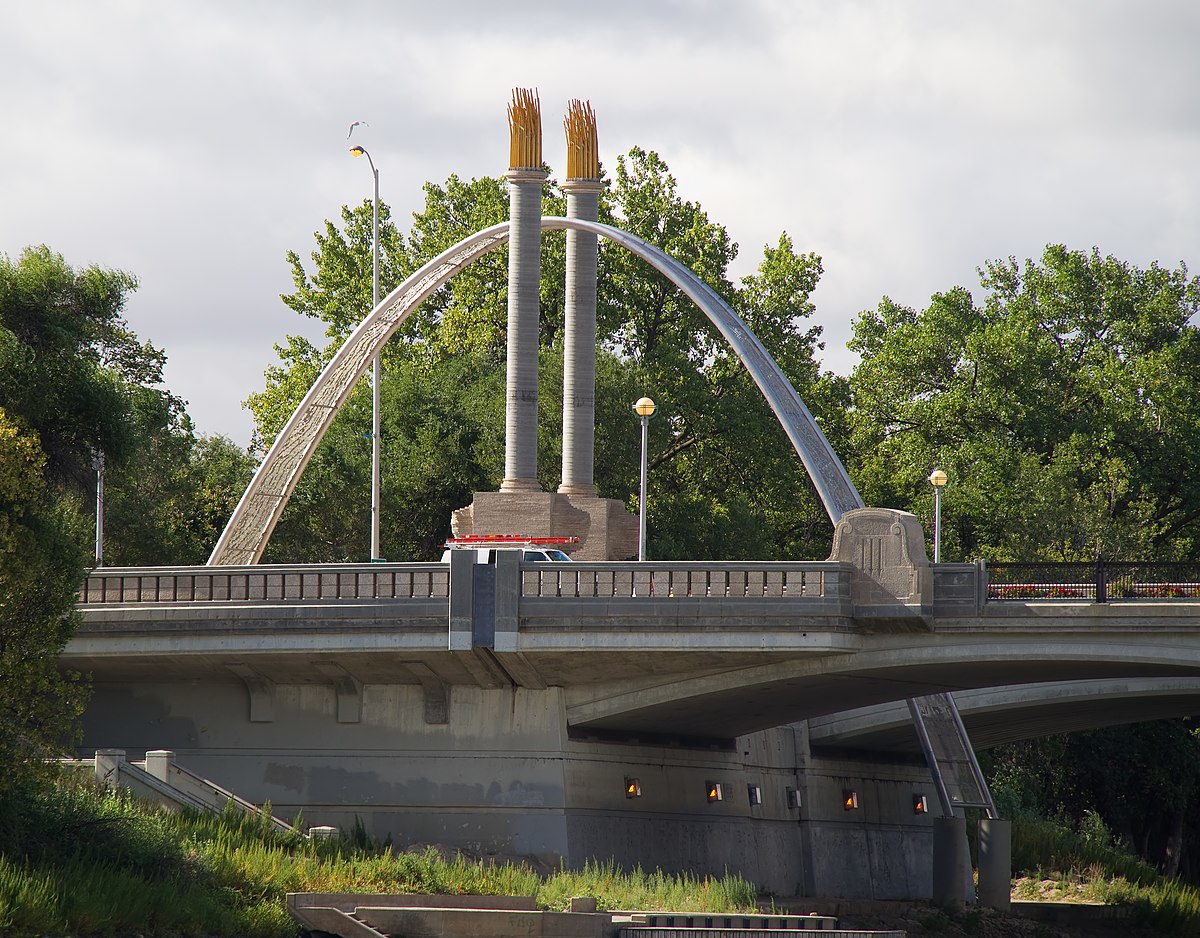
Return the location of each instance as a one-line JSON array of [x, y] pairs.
[[292, 583], [1099, 581], [372, 582], [681, 579]]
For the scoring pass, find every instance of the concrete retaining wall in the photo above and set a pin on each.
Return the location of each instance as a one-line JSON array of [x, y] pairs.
[[502, 777]]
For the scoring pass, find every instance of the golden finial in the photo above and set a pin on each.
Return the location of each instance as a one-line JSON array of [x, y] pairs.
[[583, 147], [525, 130]]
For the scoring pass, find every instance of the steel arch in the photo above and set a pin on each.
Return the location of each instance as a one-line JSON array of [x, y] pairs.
[[258, 511]]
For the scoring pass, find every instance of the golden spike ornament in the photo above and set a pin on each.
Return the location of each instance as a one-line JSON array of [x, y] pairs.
[[583, 147], [525, 130]]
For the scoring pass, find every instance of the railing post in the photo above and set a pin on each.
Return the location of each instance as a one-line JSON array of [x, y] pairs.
[[1101, 580]]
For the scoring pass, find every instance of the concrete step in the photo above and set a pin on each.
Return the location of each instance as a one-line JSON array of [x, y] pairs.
[[642, 931], [411, 916], [756, 922]]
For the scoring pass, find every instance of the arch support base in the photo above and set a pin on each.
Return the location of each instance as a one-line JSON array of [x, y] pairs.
[[606, 531]]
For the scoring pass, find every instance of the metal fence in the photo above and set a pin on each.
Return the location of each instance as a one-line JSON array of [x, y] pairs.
[[1099, 581]]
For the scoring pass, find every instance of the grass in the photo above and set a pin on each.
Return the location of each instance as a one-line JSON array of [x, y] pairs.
[[1056, 863], [75, 860]]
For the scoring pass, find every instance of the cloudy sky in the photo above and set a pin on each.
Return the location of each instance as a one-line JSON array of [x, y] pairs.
[[905, 142]]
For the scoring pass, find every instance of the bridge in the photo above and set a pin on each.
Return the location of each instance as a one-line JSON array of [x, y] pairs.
[[701, 716], [736, 647], [508, 715]]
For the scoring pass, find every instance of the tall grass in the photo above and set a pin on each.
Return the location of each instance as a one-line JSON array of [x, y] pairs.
[[76, 860], [1047, 850]]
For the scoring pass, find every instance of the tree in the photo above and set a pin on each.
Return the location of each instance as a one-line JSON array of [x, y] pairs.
[[41, 564], [710, 499], [1060, 407], [1139, 780], [76, 382], [66, 359]]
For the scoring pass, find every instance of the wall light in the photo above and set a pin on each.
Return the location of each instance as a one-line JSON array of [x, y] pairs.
[[920, 804], [633, 788], [714, 792], [793, 798], [754, 794], [849, 799]]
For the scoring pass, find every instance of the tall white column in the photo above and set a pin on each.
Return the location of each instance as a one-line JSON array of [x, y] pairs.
[[579, 342], [524, 280]]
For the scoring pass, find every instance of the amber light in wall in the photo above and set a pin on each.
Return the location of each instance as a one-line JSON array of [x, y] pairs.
[[850, 800], [633, 788]]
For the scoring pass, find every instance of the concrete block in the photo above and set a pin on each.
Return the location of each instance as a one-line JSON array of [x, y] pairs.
[[484, 923]]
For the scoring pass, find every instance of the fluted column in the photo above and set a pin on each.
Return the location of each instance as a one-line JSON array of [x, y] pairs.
[[582, 189], [579, 342], [525, 178]]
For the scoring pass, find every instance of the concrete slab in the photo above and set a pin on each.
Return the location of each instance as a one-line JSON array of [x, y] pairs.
[[484, 923]]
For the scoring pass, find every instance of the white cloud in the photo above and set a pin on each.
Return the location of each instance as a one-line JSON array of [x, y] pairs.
[[905, 143]]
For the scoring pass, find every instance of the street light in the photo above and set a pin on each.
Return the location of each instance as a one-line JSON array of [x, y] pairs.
[[357, 151], [98, 465], [644, 408], [937, 479]]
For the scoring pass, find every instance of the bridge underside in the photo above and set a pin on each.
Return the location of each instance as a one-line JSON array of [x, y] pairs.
[[995, 716]]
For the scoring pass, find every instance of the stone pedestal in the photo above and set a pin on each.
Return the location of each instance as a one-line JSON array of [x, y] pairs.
[[893, 575], [606, 531]]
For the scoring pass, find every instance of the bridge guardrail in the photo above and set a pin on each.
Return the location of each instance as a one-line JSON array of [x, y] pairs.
[[683, 579], [373, 582], [259, 583], [1098, 581]]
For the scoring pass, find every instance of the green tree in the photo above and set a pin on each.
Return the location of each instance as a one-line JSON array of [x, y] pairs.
[[1139, 779], [1060, 407], [41, 563], [76, 382], [710, 498]]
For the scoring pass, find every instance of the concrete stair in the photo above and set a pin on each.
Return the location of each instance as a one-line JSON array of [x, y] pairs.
[[675, 925], [423, 916]]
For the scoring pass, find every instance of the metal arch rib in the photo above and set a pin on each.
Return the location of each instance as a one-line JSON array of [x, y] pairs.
[[258, 511], [829, 476]]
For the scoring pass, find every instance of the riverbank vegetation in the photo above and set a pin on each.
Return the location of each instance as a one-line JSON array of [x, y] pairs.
[[80, 861], [77, 860]]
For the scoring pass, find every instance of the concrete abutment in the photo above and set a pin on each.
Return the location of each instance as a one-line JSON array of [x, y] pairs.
[[504, 777]]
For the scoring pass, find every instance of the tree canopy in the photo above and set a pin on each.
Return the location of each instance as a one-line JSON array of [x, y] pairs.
[[708, 499], [75, 384], [1061, 407]]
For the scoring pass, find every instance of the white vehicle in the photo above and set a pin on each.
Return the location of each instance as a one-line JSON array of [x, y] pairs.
[[532, 549]]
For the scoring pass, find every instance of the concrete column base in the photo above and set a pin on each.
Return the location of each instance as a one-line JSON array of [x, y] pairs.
[[995, 863], [606, 531], [950, 858]]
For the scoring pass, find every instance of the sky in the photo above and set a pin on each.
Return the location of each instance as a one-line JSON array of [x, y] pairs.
[[906, 143]]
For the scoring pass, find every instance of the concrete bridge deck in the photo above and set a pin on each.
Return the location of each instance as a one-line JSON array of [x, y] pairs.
[[694, 649]]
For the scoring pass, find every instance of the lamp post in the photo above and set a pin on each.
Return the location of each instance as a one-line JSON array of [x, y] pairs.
[[937, 479], [644, 408], [357, 151], [98, 465]]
